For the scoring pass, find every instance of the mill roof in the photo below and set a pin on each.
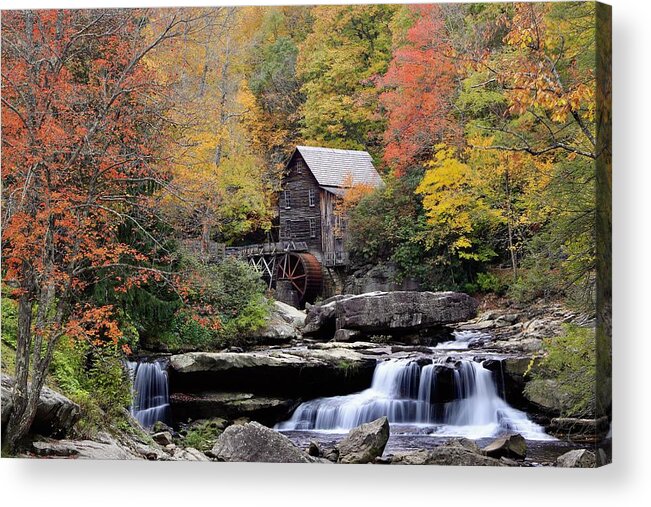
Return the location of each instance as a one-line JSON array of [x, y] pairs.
[[333, 168]]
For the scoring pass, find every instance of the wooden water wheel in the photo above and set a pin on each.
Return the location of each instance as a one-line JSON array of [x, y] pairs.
[[303, 270]]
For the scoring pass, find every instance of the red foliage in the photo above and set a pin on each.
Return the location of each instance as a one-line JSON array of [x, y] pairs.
[[75, 154], [419, 85]]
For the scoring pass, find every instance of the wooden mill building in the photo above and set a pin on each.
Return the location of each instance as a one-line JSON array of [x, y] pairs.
[[314, 179], [311, 246]]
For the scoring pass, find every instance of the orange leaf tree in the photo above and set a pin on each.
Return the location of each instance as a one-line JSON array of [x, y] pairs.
[[79, 123], [418, 89]]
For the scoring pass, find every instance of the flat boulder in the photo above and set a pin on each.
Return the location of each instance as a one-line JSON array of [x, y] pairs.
[[253, 442], [230, 405], [102, 448], [364, 443], [447, 455], [403, 311], [281, 375], [55, 413], [396, 312]]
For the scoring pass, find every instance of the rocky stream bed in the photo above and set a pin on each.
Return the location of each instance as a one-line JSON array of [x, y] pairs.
[[445, 380]]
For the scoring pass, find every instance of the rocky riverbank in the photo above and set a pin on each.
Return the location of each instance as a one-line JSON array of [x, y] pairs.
[[225, 402]]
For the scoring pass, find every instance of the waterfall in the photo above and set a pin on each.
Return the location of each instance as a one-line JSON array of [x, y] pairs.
[[403, 391], [150, 393]]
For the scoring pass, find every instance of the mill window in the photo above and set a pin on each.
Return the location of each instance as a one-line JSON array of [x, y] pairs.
[[311, 197], [312, 228]]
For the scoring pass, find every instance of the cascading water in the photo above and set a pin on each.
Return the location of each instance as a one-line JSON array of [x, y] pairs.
[[403, 391], [462, 339], [150, 393]]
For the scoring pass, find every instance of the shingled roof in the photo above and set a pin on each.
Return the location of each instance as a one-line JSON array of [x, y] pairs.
[[331, 166]]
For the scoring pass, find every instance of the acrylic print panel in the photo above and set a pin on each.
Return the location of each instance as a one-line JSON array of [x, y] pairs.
[[314, 234]]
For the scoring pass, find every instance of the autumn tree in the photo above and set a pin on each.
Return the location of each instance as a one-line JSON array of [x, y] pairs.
[[77, 157], [418, 90], [348, 49], [479, 203], [218, 185], [273, 117], [533, 93], [352, 195]]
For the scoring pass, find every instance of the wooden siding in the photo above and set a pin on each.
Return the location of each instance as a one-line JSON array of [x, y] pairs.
[[295, 220], [332, 231]]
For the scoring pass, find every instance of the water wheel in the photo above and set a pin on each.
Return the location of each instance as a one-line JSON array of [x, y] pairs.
[[303, 270]]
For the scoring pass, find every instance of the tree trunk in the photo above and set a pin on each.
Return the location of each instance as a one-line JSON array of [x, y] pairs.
[[509, 226], [205, 237], [22, 415]]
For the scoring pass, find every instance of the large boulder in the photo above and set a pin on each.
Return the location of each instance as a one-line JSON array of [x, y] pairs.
[[545, 395], [280, 375], [403, 311], [289, 314], [508, 446], [399, 312], [364, 443], [320, 319], [254, 442], [282, 326], [55, 414], [578, 458]]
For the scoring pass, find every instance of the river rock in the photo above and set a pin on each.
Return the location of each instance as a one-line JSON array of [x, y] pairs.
[[189, 454], [403, 311], [313, 449], [545, 395], [290, 314], [509, 446], [55, 413], [578, 458], [282, 326], [364, 443], [162, 438], [345, 335], [320, 319], [454, 455], [253, 442]]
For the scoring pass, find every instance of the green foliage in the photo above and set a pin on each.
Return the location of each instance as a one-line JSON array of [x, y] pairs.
[[203, 434], [390, 224], [93, 377], [348, 367], [570, 361], [490, 282], [9, 326], [349, 46], [382, 339], [227, 305]]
